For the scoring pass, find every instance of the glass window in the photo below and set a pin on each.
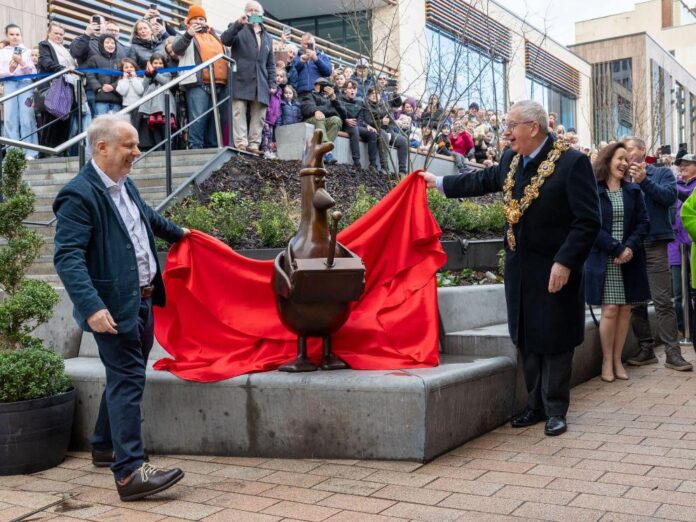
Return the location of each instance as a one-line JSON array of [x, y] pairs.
[[461, 74], [353, 32], [553, 100]]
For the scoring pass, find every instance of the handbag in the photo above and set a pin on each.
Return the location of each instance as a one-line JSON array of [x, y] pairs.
[[59, 98]]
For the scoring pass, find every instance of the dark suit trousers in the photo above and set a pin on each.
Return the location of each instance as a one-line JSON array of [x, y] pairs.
[[548, 381], [118, 425]]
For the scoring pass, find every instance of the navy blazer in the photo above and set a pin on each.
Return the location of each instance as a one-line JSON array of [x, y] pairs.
[[635, 227], [94, 255]]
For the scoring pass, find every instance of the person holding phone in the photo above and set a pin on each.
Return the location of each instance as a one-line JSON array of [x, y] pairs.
[[310, 65], [19, 121], [254, 82], [196, 45]]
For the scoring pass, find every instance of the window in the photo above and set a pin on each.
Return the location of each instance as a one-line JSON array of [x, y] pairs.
[[353, 31], [461, 74], [553, 100]]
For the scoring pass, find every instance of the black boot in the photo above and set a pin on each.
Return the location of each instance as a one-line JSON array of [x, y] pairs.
[[674, 360], [645, 356]]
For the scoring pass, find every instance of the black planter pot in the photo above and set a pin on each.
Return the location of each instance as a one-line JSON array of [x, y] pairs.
[[34, 434]]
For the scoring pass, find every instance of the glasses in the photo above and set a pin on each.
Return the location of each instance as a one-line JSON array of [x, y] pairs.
[[511, 125]]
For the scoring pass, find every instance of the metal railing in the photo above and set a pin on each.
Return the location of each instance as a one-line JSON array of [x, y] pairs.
[[81, 136]]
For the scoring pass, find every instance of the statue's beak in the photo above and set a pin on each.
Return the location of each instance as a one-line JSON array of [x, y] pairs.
[[322, 200]]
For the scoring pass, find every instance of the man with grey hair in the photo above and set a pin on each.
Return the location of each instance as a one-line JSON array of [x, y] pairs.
[[659, 187], [552, 211], [105, 257]]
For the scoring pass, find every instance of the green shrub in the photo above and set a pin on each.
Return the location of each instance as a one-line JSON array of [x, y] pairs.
[[232, 215], [190, 213], [31, 373], [465, 216], [27, 370], [363, 202], [274, 225], [444, 210]]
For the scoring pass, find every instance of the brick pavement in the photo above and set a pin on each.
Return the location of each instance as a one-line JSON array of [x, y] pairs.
[[630, 454]]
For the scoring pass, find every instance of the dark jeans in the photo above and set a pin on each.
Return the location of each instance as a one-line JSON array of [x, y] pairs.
[[400, 143], [118, 425], [198, 100], [660, 280], [355, 134], [548, 381]]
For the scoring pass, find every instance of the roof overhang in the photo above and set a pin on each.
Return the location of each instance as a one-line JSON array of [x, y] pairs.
[[284, 10]]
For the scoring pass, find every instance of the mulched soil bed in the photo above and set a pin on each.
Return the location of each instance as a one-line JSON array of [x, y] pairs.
[[249, 176]]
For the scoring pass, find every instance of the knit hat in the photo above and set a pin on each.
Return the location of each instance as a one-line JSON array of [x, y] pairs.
[[194, 12]]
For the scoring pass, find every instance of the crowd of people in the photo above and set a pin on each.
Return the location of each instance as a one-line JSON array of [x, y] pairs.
[[269, 89]]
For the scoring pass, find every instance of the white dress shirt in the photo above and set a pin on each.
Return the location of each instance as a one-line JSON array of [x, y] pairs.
[[147, 267]]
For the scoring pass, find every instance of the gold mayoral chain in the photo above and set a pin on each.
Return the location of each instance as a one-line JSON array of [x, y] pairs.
[[513, 209]]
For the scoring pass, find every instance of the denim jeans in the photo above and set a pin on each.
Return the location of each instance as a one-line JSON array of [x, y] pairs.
[[198, 100], [86, 120], [105, 108], [19, 120], [118, 424]]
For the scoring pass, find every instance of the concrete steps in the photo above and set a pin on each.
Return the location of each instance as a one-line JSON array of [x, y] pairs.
[[47, 176]]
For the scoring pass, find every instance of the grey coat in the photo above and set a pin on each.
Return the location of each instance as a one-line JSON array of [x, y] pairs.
[[255, 74]]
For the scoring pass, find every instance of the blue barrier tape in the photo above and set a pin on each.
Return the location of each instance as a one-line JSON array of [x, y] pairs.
[[87, 70]]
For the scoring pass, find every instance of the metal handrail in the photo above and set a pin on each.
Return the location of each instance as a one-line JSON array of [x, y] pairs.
[[126, 110], [34, 85]]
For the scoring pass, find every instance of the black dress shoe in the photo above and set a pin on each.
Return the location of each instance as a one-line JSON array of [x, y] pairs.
[[528, 417], [555, 426], [148, 480], [105, 458]]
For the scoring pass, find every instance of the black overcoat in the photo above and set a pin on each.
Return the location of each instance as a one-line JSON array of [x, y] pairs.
[[635, 227], [255, 74], [559, 226]]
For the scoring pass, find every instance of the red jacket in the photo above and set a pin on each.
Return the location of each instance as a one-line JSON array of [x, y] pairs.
[[463, 143]]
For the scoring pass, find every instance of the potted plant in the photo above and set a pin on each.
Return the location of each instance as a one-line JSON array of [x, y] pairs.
[[36, 401]]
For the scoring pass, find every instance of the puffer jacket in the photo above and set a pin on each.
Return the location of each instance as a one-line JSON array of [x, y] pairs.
[[97, 81], [142, 50], [289, 113]]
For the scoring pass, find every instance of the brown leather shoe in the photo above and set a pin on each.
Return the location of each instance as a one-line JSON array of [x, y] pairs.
[[148, 480]]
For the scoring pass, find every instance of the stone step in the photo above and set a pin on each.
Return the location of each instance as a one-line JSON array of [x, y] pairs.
[[143, 178], [391, 414], [156, 157], [61, 177]]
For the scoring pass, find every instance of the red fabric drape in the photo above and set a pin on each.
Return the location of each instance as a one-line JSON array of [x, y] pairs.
[[221, 320]]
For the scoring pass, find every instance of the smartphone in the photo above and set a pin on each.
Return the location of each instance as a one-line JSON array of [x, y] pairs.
[[159, 21], [256, 19], [96, 19], [203, 28], [310, 46], [287, 30], [153, 7], [391, 83], [18, 50]]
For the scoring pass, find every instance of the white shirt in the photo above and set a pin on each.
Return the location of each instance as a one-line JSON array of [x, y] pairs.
[[147, 267]]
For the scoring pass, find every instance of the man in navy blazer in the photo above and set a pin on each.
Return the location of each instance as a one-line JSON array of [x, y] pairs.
[[106, 258]]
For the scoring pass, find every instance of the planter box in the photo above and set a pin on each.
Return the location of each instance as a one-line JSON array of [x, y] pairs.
[[478, 254]]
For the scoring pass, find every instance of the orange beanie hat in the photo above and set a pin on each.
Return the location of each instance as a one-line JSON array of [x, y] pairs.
[[194, 12]]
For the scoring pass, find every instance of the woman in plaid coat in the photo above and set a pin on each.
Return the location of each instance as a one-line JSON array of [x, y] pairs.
[[615, 271]]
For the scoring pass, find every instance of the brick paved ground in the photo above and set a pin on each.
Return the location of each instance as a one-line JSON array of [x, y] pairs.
[[630, 454]]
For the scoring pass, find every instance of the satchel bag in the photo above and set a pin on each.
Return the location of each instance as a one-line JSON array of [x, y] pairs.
[[59, 98]]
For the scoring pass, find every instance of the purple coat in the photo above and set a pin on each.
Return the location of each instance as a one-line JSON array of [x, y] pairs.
[[684, 190], [273, 111]]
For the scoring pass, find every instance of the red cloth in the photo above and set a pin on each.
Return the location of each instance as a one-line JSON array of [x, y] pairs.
[[221, 319]]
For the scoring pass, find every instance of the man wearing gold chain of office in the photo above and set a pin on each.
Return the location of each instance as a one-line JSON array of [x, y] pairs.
[[552, 212]]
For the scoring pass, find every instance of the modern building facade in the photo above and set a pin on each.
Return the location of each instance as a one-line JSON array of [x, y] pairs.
[[639, 86], [463, 51]]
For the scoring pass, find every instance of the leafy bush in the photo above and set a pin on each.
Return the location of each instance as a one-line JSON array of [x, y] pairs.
[[190, 213], [27, 371], [274, 225], [232, 215], [31, 373], [364, 201], [466, 216]]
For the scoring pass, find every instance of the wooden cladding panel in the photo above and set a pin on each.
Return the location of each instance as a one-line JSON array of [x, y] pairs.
[[544, 66], [74, 14], [470, 25]]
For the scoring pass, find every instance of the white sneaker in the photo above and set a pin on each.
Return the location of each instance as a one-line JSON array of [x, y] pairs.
[[269, 155]]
